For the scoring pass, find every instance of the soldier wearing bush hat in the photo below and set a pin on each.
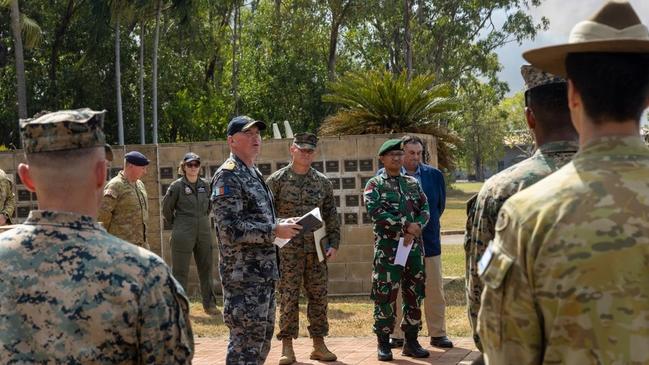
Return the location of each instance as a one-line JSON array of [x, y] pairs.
[[566, 274], [125, 208], [398, 208], [62, 261]]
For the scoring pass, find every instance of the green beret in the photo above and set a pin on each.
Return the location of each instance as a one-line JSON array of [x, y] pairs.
[[391, 145], [63, 130]]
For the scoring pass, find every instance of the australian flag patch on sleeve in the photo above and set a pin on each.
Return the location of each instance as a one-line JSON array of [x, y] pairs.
[[220, 191]]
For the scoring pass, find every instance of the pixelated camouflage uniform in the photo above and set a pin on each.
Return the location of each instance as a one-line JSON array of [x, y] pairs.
[[296, 195], [493, 194], [245, 222], [394, 202], [71, 293], [7, 197], [567, 280], [124, 210], [186, 206]]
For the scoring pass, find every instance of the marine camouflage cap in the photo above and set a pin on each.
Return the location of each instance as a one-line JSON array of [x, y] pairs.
[[306, 141], [535, 77], [63, 130]]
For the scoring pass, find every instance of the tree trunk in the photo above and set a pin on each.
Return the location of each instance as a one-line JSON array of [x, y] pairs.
[[61, 29], [407, 38], [118, 84], [333, 45], [235, 63], [154, 89], [141, 76], [20, 61]]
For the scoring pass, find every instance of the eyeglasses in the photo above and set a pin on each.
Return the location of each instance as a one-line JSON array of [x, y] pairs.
[[193, 165], [395, 154], [307, 151]]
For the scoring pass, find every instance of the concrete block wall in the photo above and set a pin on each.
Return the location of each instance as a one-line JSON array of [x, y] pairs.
[[349, 161]]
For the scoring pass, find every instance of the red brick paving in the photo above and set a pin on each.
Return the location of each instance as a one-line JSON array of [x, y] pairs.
[[350, 350]]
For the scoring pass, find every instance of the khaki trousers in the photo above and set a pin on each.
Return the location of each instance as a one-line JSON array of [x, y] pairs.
[[434, 302]]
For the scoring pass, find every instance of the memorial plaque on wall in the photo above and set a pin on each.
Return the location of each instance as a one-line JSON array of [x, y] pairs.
[[366, 219], [366, 165], [114, 171], [349, 183], [24, 195], [264, 168], [318, 165], [362, 200], [281, 164], [351, 200], [163, 189], [351, 218], [166, 173], [351, 165], [335, 181], [332, 166], [22, 212], [364, 180], [34, 197], [18, 181], [337, 199], [213, 169]]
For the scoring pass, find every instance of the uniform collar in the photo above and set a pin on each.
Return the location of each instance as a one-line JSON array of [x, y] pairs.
[[558, 146], [61, 219], [611, 147], [292, 175]]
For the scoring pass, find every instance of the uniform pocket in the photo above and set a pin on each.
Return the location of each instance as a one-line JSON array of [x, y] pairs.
[[495, 264]]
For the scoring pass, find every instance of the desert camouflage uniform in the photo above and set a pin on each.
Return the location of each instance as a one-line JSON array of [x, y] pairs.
[[393, 203], [7, 197], [495, 191], [245, 222], [567, 280], [296, 195], [125, 210]]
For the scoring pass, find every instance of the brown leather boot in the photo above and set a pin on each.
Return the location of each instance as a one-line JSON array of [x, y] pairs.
[[288, 356], [321, 352]]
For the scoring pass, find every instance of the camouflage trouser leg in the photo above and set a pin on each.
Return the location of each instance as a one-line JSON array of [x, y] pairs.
[[249, 313], [315, 285], [386, 280], [298, 267], [474, 287]]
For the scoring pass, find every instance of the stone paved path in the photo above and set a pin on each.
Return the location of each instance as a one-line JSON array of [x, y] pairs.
[[350, 350]]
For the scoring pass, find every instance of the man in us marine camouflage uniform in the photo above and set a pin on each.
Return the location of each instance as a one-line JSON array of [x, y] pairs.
[[124, 207], [398, 209], [566, 275], [7, 199], [70, 293], [547, 115], [246, 229], [298, 188]]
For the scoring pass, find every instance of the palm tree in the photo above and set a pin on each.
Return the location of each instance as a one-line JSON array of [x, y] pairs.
[[21, 24], [380, 102]]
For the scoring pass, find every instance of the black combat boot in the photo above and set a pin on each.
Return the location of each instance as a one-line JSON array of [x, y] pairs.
[[384, 349], [411, 346]]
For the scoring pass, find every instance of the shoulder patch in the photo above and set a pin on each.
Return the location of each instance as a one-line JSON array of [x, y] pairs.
[[220, 191], [111, 193], [229, 165]]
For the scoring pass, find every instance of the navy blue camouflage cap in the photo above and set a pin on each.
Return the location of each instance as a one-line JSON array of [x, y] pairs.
[[391, 145], [306, 141], [191, 156], [242, 123], [63, 130], [136, 158]]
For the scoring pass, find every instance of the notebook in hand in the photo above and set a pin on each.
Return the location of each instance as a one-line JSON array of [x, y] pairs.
[[309, 223]]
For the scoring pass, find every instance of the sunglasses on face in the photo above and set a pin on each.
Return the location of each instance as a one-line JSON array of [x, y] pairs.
[[193, 165]]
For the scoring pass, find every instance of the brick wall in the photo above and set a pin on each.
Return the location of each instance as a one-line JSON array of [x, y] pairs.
[[347, 160]]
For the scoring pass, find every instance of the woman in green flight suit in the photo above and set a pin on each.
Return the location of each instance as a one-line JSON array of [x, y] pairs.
[[186, 206]]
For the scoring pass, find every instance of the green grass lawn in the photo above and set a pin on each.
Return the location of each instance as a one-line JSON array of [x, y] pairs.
[[454, 217]]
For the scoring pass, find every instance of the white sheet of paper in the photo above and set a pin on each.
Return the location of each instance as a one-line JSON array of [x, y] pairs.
[[402, 253], [281, 242]]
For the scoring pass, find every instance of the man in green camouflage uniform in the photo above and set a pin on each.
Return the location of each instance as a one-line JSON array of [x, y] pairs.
[[398, 209], [298, 188], [547, 114], [246, 229], [7, 199], [124, 208], [70, 293], [566, 275]]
